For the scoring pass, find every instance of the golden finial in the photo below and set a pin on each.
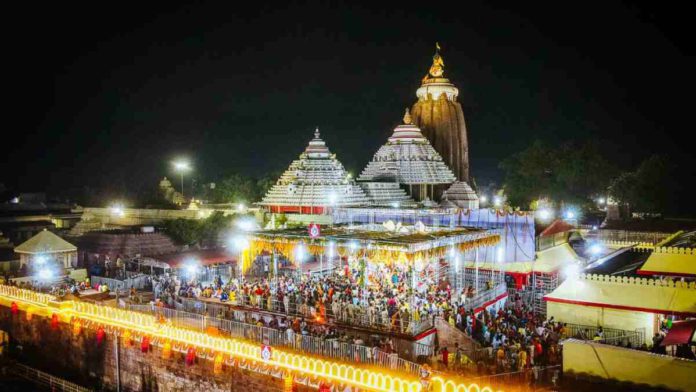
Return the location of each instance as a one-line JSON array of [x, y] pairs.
[[438, 67], [407, 117]]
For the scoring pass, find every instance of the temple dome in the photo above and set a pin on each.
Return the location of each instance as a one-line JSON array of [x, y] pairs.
[[460, 195], [407, 158], [313, 182]]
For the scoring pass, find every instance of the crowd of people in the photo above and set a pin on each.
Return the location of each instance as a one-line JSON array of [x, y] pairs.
[[58, 288], [385, 298], [512, 338]]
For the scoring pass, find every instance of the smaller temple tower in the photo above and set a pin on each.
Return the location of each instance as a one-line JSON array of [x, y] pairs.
[[408, 159], [313, 183]]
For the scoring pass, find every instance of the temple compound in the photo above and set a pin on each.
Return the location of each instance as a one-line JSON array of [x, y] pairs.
[[441, 118]]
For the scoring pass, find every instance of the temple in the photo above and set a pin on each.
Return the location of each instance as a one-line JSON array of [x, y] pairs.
[[441, 118], [460, 195], [314, 182], [408, 158]]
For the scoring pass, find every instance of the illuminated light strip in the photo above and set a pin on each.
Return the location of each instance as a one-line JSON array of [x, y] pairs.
[[146, 324]]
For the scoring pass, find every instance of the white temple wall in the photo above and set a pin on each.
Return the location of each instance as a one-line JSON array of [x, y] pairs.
[[628, 320]]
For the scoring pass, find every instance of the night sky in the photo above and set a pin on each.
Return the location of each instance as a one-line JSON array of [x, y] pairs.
[[107, 96]]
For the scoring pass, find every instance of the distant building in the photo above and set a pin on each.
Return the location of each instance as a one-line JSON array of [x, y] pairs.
[[168, 193]]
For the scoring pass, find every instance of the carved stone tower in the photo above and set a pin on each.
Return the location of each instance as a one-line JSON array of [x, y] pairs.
[[441, 118]]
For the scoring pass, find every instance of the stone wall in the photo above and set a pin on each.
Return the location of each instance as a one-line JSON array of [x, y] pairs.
[[81, 359]]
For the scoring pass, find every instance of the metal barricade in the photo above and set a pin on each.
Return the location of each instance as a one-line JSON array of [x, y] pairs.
[[355, 316], [51, 382], [309, 344], [616, 337]]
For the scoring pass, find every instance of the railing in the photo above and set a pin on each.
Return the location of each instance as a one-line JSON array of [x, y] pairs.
[[626, 236], [41, 378], [350, 315], [26, 295], [332, 348], [546, 242], [486, 296], [616, 337], [138, 282]]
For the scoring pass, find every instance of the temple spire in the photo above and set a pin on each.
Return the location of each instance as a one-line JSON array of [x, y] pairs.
[[438, 67], [316, 133]]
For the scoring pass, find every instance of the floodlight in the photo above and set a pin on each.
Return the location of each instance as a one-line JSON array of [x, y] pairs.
[[45, 274]]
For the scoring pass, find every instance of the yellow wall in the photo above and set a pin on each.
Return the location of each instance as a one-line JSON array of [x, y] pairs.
[[623, 364], [629, 320]]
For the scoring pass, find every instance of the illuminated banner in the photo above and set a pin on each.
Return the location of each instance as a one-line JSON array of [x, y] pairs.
[[314, 230], [266, 352]]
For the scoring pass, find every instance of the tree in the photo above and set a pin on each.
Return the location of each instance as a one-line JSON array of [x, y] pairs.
[[566, 174], [183, 231], [234, 188], [212, 226], [528, 174], [191, 232], [650, 188]]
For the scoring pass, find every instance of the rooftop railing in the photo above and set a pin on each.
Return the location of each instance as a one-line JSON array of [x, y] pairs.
[[613, 336]]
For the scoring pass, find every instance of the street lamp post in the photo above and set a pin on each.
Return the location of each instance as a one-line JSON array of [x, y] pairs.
[[181, 167]]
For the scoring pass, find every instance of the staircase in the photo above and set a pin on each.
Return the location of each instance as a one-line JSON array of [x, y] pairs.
[[448, 335]]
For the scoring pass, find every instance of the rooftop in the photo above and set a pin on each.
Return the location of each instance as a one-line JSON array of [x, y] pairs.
[[379, 235], [45, 242], [624, 293]]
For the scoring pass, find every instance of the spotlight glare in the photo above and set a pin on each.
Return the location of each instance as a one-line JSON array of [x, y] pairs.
[[240, 243], [45, 274], [596, 249], [544, 214], [572, 271]]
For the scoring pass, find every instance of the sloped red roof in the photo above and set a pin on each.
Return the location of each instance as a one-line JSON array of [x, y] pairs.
[[558, 226], [203, 257], [682, 332]]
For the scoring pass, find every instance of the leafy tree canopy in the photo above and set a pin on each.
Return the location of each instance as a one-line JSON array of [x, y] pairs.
[[650, 188], [566, 174]]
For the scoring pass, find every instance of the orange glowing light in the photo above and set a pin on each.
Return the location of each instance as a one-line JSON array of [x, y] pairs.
[[217, 364], [167, 350], [146, 325]]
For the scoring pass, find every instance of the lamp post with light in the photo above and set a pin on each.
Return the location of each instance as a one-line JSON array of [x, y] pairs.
[[181, 167]]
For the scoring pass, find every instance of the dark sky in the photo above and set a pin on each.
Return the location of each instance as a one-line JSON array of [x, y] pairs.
[[108, 95]]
